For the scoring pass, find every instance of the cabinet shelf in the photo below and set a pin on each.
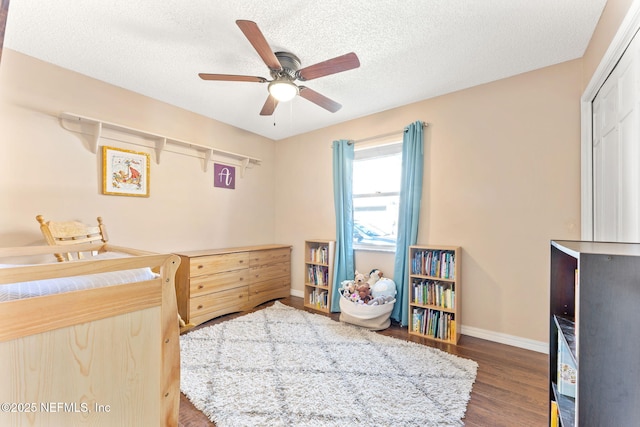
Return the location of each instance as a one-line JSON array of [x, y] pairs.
[[566, 407], [567, 329], [96, 126]]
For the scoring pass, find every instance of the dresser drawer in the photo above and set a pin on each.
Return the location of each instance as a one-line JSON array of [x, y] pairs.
[[216, 263], [202, 285], [214, 282], [216, 304], [268, 290], [258, 258], [267, 272]]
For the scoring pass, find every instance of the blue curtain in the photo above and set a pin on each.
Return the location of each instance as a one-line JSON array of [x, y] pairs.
[[344, 266], [408, 215]]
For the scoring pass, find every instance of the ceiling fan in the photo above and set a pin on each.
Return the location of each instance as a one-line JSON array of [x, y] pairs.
[[284, 68]]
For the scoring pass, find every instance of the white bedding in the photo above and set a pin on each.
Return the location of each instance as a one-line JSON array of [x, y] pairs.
[[37, 288]]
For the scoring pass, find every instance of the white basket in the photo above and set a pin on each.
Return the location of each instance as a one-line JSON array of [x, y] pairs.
[[374, 317]]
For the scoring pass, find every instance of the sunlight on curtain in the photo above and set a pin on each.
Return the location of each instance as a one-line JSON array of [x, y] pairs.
[[344, 267], [409, 213]]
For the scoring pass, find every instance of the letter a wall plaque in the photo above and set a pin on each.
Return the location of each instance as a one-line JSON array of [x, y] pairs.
[[224, 176]]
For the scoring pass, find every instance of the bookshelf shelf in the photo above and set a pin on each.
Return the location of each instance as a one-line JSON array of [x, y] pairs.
[[435, 292], [440, 279], [318, 270], [433, 307], [594, 296]]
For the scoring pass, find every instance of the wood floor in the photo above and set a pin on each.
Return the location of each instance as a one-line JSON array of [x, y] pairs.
[[510, 389]]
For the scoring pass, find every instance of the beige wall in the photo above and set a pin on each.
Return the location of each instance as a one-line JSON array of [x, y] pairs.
[[501, 180], [45, 169]]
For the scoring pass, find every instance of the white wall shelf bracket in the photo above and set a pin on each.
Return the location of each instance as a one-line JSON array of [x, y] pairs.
[[245, 165], [207, 158], [96, 137], [160, 145], [161, 142]]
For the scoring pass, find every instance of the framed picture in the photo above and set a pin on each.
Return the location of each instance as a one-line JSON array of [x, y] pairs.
[[125, 172]]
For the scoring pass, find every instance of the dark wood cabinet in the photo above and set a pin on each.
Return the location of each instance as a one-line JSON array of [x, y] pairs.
[[594, 311]]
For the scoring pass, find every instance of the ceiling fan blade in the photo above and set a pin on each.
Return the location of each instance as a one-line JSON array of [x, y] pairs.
[[338, 64], [269, 106], [232, 78], [318, 99], [259, 43]]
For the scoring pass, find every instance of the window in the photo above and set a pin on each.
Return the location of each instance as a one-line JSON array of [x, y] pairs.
[[376, 195]]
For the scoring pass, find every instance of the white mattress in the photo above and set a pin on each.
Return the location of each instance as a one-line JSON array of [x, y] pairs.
[[37, 288]]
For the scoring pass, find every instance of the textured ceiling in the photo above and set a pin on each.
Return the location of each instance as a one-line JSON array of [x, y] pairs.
[[409, 50]]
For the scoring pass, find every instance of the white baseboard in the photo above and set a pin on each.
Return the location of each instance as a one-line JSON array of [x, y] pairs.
[[297, 293], [539, 346]]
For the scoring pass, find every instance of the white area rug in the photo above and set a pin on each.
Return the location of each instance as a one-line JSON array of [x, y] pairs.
[[286, 367]]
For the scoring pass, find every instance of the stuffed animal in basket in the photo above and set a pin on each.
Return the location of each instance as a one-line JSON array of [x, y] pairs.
[[360, 289], [383, 290], [384, 287], [348, 288], [363, 287], [374, 276], [359, 279], [364, 292], [380, 300]]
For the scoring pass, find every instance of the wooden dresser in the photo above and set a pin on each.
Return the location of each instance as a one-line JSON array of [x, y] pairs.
[[210, 283]]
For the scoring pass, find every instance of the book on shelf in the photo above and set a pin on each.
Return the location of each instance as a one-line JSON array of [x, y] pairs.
[[435, 263], [319, 299], [434, 323], [418, 314], [429, 292], [319, 254], [452, 331], [318, 275], [555, 421]]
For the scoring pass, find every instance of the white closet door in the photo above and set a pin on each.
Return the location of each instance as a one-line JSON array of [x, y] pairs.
[[616, 152]]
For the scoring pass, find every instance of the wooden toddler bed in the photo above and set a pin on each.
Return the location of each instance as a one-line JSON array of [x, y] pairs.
[[91, 353]]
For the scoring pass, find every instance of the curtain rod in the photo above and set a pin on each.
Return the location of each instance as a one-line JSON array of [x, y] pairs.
[[384, 135]]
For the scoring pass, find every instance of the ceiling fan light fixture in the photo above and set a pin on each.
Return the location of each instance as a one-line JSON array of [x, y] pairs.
[[283, 90]]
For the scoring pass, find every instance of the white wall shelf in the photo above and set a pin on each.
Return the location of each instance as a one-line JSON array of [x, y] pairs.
[[97, 126]]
